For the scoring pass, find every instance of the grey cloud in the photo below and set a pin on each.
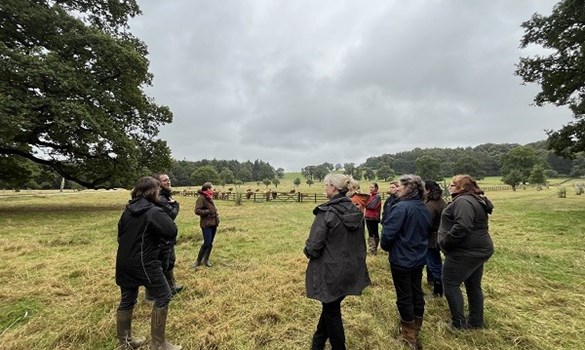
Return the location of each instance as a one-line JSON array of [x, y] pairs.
[[304, 82]]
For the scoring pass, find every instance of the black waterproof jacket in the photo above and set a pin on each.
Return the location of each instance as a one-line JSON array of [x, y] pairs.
[[336, 249], [142, 229], [172, 208], [464, 227]]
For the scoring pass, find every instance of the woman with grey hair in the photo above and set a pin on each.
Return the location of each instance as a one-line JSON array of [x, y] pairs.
[[336, 249], [404, 235]]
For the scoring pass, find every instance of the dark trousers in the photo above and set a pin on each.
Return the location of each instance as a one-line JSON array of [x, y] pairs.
[[410, 298], [162, 296], [330, 326], [208, 236], [372, 226], [458, 270], [434, 263]]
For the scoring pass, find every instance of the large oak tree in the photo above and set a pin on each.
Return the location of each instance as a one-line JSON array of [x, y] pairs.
[[71, 92], [560, 72]]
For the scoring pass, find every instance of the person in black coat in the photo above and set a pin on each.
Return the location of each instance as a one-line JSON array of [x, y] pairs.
[[465, 241], [142, 230], [171, 207], [336, 249]]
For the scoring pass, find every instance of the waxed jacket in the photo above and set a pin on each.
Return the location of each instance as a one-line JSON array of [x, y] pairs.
[[205, 208], [435, 208], [464, 229], [141, 230], [404, 233], [336, 249]]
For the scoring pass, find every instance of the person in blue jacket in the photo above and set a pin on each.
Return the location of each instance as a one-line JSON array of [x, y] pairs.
[[405, 232]]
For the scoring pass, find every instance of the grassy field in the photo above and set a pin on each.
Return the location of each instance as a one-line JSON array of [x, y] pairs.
[[57, 288]]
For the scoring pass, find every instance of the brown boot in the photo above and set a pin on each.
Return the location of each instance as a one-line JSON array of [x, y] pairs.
[[158, 324], [408, 334], [124, 331], [418, 321]]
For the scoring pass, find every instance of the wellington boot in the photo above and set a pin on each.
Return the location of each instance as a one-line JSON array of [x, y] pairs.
[[124, 331], [408, 334], [200, 256], [418, 322], [175, 288], [206, 257], [158, 324]]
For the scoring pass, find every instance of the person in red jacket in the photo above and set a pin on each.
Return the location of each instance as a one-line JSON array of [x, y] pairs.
[[372, 215]]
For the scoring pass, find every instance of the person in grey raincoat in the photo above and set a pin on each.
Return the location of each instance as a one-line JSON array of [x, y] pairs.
[[336, 249]]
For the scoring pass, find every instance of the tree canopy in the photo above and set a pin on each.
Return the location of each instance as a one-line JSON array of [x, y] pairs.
[[561, 73], [71, 92]]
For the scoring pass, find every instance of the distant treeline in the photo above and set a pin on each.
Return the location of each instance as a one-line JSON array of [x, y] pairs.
[[514, 162], [483, 160]]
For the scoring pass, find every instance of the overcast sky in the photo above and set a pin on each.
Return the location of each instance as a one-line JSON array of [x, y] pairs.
[[302, 82]]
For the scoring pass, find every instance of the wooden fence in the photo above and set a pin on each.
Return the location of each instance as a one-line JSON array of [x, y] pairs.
[[263, 196], [273, 196]]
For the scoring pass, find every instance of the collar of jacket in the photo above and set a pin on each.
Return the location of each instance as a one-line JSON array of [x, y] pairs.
[[338, 198]]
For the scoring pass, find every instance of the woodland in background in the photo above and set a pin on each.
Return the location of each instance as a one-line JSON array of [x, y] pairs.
[[506, 160]]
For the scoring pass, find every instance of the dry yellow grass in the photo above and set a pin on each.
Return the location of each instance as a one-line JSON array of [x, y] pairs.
[[57, 288]]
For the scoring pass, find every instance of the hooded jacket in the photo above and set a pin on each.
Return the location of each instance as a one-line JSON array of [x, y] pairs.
[[405, 231], [336, 249], [171, 208], [142, 229], [464, 227]]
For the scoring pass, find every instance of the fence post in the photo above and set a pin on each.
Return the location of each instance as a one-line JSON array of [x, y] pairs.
[[299, 197]]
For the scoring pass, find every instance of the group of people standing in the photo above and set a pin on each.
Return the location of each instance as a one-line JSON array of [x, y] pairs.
[[417, 225], [147, 236]]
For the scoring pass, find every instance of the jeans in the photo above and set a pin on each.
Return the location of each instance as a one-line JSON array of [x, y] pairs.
[[409, 294], [458, 270], [330, 326], [434, 263], [208, 236]]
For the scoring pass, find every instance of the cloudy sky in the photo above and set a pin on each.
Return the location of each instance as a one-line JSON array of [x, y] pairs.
[[303, 82]]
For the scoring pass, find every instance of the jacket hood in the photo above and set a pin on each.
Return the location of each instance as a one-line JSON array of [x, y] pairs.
[[345, 210], [138, 206], [485, 203]]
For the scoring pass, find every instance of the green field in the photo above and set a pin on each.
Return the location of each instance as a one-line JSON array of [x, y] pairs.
[[57, 288]]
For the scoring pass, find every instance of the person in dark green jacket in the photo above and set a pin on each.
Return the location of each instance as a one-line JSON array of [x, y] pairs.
[[336, 249], [465, 241]]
